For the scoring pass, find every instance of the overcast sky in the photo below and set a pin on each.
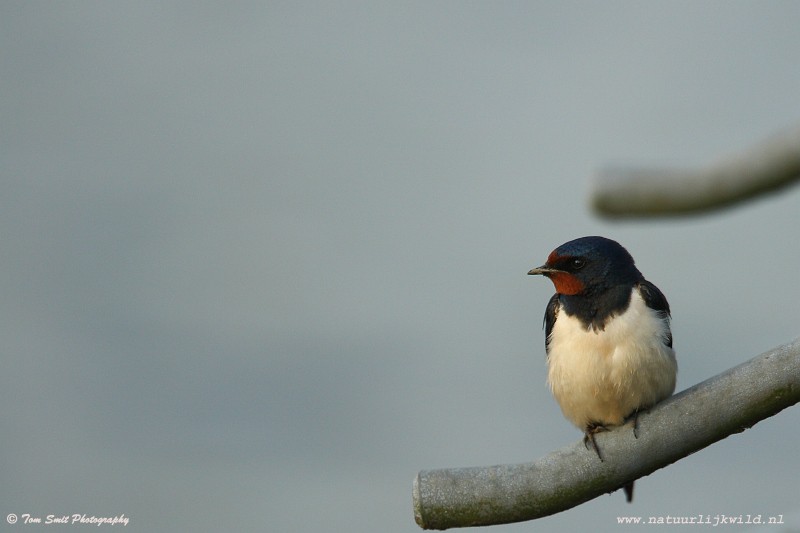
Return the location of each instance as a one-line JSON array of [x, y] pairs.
[[263, 262]]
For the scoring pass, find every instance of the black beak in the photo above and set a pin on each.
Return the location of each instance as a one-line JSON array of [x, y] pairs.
[[542, 270]]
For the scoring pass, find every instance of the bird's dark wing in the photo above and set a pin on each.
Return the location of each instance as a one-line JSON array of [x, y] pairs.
[[550, 319], [655, 299]]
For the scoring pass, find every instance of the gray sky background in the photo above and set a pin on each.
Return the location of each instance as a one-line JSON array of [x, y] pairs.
[[263, 262]]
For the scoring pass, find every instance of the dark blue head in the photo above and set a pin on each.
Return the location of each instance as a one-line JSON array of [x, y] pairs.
[[589, 265]]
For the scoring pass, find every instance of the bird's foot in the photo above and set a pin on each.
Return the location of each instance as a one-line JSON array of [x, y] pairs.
[[634, 418], [588, 437]]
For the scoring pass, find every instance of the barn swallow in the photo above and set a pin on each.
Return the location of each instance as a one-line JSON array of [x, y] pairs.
[[607, 337]]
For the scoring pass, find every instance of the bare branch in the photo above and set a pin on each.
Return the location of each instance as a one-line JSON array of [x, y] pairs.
[[766, 167], [697, 417]]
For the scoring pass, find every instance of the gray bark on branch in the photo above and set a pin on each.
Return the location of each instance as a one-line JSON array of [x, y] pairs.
[[765, 167], [681, 425]]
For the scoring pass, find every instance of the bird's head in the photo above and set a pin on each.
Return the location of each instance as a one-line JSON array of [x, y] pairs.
[[589, 265]]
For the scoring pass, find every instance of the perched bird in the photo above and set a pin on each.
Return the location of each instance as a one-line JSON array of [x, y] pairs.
[[608, 340]]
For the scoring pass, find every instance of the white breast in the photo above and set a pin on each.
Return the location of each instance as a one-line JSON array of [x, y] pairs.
[[602, 377]]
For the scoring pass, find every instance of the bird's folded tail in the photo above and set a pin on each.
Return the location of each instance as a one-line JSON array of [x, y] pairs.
[[628, 491]]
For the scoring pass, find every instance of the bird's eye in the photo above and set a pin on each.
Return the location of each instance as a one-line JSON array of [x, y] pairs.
[[578, 263]]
